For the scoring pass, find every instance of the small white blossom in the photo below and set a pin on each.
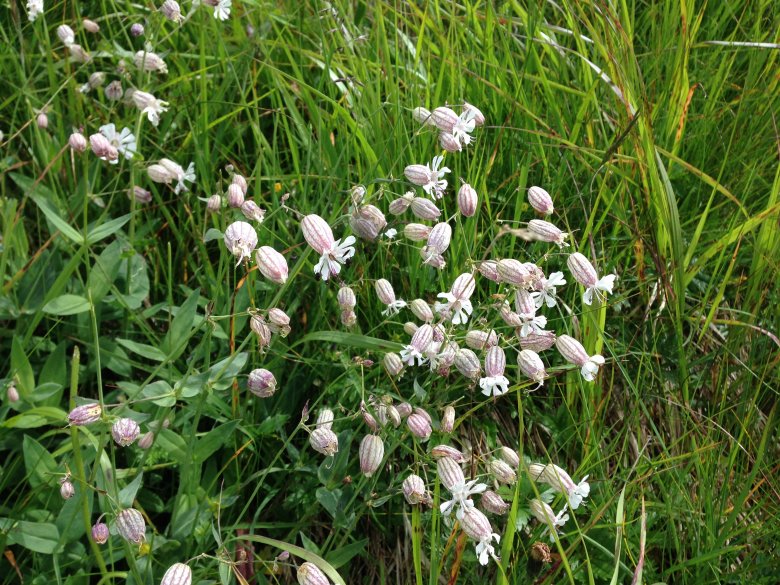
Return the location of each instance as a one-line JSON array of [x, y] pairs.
[[461, 499], [34, 9], [531, 323], [494, 385], [221, 9], [436, 183], [456, 310], [332, 259], [464, 126], [394, 307], [391, 233], [546, 293], [591, 367], [150, 105], [124, 142], [485, 549]]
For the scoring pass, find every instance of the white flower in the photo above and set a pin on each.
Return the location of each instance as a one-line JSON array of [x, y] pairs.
[[494, 385], [124, 142], [34, 9], [222, 9], [532, 324], [457, 310], [394, 307], [591, 367], [188, 175], [484, 549], [150, 105], [436, 183], [461, 493], [603, 285], [464, 126], [546, 294], [410, 353], [391, 233], [579, 493], [332, 259]]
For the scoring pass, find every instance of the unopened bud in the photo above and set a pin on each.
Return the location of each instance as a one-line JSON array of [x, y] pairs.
[[100, 533], [540, 200], [114, 91], [235, 196], [261, 383], [125, 431], [42, 121], [419, 426], [448, 419], [503, 472], [146, 440], [424, 209], [467, 200], [177, 574], [11, 393], [324, 440], [77, 142], [404, 409], [137, 29], [85, 414], [493, 503], [130, 525], [371, 452], [149, 62]]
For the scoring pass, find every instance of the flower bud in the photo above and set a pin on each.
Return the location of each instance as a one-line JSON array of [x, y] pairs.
[[449, 143], [78, 54], [11, 393], [177, 574], [271, 264], [317, 233], [509, 316], [529, 362], [140, 194], [404, 409], [540, 200], [502, 472], [495, 361], [67, 491], [85, 414], [418, 174], [146, 440], [509, 456], [77, 142], [450, 472], [524, 303], [493, 503], [419, 426], [114, 91], [371, 452], [157, 172], [346, 298], [259, 328], [235, 196], [422, 115], [439, 238], [513, 272], [536, 340], [279, 321], [309, 574], [125, 431], [467, 363], [130, 525], [582, 270], [481, 340], [100, 533], [348, 318], [137, 29], [475, 112], [489, 269], [325, 419], [410, 328], [66, 35], [214, 203], [261, 383], [103, 148], [384, 290], [368, 418], [467, 200], [147, 61], [544, 231], [414, 490], [424, 209], [421, 310], [440, 451], [170, 10], [572, 350], [416, 232], [444, 119], [90, 26], [476, 525], [324, 441], [367, 222], [464, 286], [400, 205], [252, 211], [42, 121], [447, 420]]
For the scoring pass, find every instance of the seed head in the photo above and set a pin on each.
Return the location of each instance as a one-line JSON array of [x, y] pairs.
[[100, 533], [371, 452], [467, 200], [125, 431], [310, 574], [271, 264], [261, 383], [540, 200], [177, 574], [85, 414], [131, 525], [324, 441]]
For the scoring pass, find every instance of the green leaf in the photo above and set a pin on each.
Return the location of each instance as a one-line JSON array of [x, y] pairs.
[[39, 194], [38, 462], [213, 440], [69, 522], [40, 537], [222, 373], [148, 351], [104, 271], [66, 305], [160, 393], [106, 229], [212, 234], [137, 283], [36, 417], [21, 369], [172, 444], [351, 340], [340, 557], [329, 499], [127, 494], [174, 342]]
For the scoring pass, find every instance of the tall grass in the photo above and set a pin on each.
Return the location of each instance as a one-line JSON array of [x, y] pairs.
[[652, 124]]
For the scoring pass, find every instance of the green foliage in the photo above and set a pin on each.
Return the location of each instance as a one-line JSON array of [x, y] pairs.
[[653, 126]]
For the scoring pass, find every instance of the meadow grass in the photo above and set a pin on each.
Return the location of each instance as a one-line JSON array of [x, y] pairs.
[[653, 124]]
